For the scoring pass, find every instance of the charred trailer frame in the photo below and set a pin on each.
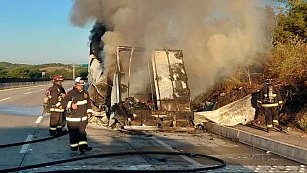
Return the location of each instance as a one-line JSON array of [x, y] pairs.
[[152, 88]]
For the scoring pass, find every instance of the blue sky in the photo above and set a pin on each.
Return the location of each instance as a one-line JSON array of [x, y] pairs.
[[39, 31]]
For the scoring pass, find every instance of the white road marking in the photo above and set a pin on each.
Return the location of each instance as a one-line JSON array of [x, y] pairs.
[[21, 88], [5, 99], [42, 89], [194, 162], [28, 89], [28, 93], [39, 119], [25, 147]]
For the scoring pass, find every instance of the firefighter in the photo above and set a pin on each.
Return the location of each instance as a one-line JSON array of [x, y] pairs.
[[271, 101], [78, 103], [55, 94]]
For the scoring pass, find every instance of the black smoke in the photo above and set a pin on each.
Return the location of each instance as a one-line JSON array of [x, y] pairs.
[[96, 44]]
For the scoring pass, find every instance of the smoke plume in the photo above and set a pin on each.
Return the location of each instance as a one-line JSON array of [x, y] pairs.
[[215, 35]]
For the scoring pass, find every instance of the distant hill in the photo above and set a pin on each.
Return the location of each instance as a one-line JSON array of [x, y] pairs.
[[10, 70], [54, 68]]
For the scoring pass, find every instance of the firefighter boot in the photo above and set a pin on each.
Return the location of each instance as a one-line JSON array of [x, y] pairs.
[[88, 148], [52, 132], [60, 131], [269, 128], [84, 148], [275, 124], [74, 148]]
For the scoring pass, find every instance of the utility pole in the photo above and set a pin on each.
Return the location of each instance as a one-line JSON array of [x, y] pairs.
[[73, 72], [43, 75]]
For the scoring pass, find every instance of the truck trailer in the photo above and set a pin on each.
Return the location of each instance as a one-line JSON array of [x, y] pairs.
[[142, 90]]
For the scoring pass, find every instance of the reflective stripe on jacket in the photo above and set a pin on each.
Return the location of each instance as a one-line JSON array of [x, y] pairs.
[[81, 99], [270, 105], [76, 119], [56, 110], [277, 100]]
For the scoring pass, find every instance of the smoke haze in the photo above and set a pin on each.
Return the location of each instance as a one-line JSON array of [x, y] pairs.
[[215, 35]]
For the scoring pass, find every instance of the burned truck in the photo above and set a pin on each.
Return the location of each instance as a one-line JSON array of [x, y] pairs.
[[142, 89]]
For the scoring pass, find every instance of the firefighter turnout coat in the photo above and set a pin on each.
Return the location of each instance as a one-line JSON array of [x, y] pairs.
[[77, 118], [56, 94], [270, 97], [270, 100]]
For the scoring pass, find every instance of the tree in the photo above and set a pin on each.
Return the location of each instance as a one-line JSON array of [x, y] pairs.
[[292, 21], [289, 61], [65, 73], [3, 72], [24, 72], [19, 72], [35, 74], [82, 72]]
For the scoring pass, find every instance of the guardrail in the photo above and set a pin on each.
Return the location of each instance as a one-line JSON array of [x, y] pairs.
[[22, 84]]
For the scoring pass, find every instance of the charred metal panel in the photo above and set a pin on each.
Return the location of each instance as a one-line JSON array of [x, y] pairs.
[[130, 62], [164, 100], [171, 82]]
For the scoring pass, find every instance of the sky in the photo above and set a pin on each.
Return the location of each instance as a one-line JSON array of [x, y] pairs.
[[40, 31]]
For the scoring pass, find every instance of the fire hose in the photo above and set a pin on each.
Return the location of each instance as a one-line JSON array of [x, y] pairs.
[[222, 162], [221, 165]]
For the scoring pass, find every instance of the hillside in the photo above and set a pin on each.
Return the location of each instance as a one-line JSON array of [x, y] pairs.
[[10, 70]]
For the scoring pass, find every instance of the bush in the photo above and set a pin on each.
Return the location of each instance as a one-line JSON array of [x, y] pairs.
[[289, 61], [302, 121], [24, 71]]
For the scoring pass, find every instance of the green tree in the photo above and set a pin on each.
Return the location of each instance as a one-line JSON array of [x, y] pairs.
[[25, 71], [19, 72], [289, 61], [3, 71], [35, 73], [65, 73], [292, 21], [82, 72]]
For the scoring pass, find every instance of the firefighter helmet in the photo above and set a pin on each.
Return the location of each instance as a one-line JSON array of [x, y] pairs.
[[58, 78], [269, 81], [79, 81]]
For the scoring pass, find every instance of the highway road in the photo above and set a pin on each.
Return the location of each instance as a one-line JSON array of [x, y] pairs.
[[20, 114], [21, 120]]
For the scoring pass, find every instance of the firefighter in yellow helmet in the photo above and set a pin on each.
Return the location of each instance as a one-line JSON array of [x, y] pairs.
[[55, 94], [78, 102], [271, 101]]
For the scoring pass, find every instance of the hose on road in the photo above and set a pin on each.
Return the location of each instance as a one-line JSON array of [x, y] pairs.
[[222, 162], [203, 156]]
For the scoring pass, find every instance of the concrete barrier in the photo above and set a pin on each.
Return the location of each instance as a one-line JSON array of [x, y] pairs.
[[237, 112], [289, 151]]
